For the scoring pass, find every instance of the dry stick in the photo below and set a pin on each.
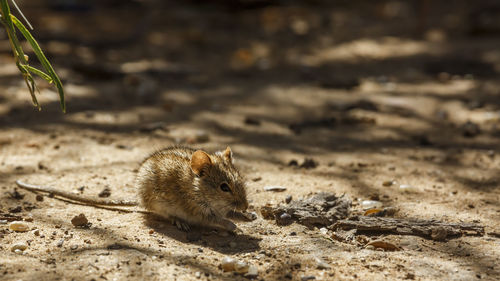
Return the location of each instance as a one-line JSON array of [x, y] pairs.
[[74, 197], [424, 228]]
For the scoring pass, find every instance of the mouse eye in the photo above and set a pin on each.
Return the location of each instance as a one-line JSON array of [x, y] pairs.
[[225, 187]]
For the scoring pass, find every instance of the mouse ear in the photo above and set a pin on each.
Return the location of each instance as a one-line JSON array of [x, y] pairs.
[[228, 155], [200, 160]]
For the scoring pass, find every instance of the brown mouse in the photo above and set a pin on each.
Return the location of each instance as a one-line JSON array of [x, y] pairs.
[[186, 186]]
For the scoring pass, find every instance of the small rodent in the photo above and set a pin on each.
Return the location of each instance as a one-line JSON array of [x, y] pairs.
[[186, 186]]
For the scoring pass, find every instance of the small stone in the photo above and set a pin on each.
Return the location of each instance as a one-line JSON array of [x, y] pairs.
[[60, 243], [16, 209], [228, 264], [293, 163], [21, 246], [369, 204], [252, 121], [233, 244], [39, 198], [284, 219], [253, 272], [309, 163], [275, 188], [293, 233], [36, 232], [241, 267], [106, 192], [73, 247], [308, 277], [323, 230], [80, 220], [151, 231], [406, 188], [470, 129], [370, 247], [288, 199], [388, 183], [320, 263], [16, 195], [3, 221], [19, 226], [197, 274]]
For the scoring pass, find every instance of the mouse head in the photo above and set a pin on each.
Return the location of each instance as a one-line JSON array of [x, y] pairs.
[[219, 180]]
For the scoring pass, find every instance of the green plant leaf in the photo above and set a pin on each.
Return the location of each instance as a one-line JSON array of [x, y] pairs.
[[41, 57], [39, 73]]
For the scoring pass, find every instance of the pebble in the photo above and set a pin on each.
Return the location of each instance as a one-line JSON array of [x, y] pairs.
[[197, 274], [19, 226], [39, 198], [60, 243], [288, 199], [227, 264], [308, 277], [320, 263], [253, 272], [106, 192], [470, 129], [36, 232], [3, 221], [406, 188], [370, 247], [21, 246], [323, 230], [73, 247], [369, 204], [284, 219], [275, 188], [309, 163], [241, 267], [80, 220], [388, 183]]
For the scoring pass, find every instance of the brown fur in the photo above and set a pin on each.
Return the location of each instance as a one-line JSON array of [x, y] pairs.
[[184, 185]]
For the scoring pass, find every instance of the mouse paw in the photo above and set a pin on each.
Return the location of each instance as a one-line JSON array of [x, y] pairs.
[[228, 225], [181, 225]]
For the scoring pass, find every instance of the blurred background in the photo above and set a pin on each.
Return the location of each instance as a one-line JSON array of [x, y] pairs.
[[144, 46]]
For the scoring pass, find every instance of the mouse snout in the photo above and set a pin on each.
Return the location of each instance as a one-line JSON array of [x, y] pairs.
[[243, 206]]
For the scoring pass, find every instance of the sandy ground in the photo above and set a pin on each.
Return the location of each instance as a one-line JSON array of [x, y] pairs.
[[197, 75]]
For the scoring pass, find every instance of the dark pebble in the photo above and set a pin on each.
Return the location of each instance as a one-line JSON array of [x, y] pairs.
[[105, 192], [252, 121], [309, 163], [288, 199], [470, 129], [284, 219], [17, 209], [39, 197]]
